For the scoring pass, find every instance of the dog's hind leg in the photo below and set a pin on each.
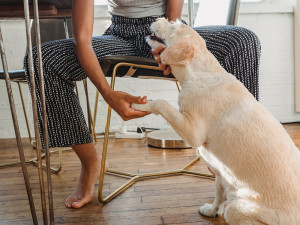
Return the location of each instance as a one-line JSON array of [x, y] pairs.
[[217, 208], [246, 212]]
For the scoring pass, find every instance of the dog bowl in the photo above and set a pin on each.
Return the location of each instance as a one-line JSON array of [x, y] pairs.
[[166, 138]]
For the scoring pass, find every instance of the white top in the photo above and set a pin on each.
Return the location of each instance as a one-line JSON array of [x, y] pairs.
[[137, 8]]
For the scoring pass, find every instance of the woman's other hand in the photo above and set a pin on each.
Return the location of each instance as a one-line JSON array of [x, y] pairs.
[[121, 103], [156, 54], [173, 13]]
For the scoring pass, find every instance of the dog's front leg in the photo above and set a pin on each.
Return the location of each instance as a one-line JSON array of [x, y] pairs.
[[217, 208], [181, 124]]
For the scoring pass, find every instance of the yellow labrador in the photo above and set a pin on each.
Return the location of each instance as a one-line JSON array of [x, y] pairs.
[[256, 163]]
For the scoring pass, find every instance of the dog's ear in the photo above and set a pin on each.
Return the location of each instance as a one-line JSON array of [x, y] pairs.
[[180, 53]]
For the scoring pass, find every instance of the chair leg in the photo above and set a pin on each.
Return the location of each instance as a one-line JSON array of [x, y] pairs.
[[32, 142], [178, 86], [134, 177], [34, 161], [90, 122], [60, 162], [17, 132], [95, 116]]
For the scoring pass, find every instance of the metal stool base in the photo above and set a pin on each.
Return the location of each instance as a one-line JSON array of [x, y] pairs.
[[35, 162], [136, 177], [133, 177]]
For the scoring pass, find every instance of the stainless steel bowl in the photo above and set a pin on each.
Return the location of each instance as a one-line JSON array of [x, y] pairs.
[[166, 138]]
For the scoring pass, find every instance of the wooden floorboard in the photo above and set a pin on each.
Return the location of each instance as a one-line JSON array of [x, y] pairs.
[[166, 200]]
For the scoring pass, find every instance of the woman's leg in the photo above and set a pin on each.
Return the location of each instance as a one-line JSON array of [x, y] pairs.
[[238, 51], [66, 122], [90, 160]]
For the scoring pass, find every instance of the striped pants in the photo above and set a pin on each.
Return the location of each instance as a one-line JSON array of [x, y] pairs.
[[237, 49]]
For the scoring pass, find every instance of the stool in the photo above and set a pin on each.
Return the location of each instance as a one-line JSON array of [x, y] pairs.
[[136, 67]]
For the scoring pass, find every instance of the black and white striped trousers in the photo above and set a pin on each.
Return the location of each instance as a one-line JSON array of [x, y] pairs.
[[237, 49]]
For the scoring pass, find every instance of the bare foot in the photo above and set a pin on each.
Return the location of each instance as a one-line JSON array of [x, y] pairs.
[[84, 192]]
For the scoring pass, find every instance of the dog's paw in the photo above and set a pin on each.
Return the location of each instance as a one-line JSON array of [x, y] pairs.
[[208, 210], [141, 107], [151, 106], [221, 208], [148, 107]]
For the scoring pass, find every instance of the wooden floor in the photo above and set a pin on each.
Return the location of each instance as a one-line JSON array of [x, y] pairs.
[[167, 200]]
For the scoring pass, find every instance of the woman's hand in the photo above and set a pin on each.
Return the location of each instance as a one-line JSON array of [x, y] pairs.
[[121, 103], [156, 54], [173, 13]]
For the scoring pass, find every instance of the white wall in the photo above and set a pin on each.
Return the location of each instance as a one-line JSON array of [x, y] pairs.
[[271, 20], [297, 53], [14, 42]]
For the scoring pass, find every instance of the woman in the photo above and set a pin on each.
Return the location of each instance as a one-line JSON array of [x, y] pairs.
[[66, 61]]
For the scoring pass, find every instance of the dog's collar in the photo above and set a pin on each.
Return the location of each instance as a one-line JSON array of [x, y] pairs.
[[154, 37]]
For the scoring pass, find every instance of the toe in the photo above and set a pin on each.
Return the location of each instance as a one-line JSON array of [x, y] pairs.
[[79, 203], [70, 199], [69, 204]]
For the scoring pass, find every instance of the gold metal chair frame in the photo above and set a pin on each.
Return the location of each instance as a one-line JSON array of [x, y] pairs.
[[15, 121], [34, 160], [33, 144], [31, 139], [134, 177]]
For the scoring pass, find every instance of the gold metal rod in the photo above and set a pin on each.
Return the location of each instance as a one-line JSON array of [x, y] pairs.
[[104, 152], [88, 104], [160, 173], [119, 190], [44, 111], [52, 169], [105, 142], [178, 86], [149, 176], [12, 164], [55, 170], [60, 161], [24, 111], [17, 131], [34, 110], [136, 65], [121, 173], [198, 174], [34, 161], [191, 163], [95, 116]]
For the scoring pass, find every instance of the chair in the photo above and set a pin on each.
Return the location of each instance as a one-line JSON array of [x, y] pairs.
[[138, 67], [60, 29]]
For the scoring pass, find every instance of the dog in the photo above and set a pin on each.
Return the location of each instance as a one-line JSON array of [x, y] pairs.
[[255, 162]]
